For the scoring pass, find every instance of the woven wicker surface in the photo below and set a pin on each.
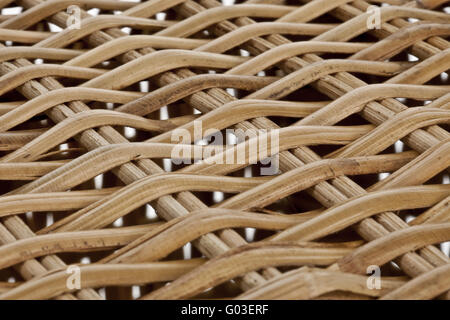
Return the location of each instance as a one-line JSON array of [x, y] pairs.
[[358, 204]]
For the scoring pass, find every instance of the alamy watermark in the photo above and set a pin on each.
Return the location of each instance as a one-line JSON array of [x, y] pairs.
[[239, 147], [374, 280], [74, 19], [73, 281], [374, 19]]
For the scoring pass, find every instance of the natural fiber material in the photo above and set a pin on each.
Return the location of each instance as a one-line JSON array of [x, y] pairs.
[[349, 101]]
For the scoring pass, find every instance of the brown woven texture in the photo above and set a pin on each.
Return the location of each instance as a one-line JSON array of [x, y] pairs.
[[358, 207]]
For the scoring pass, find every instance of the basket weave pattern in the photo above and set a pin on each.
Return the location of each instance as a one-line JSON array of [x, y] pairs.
[[358, 204]]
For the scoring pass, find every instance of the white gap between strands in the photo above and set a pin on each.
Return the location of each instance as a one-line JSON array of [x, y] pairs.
[[136, 292], [228, 2], [85, 260], [150, 212], [118, 223], [218, 196], [11, 11], [49, 219], [98, 182], [187, 251]]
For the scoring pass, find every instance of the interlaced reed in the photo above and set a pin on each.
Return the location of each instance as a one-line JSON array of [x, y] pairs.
[[87, 117]]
